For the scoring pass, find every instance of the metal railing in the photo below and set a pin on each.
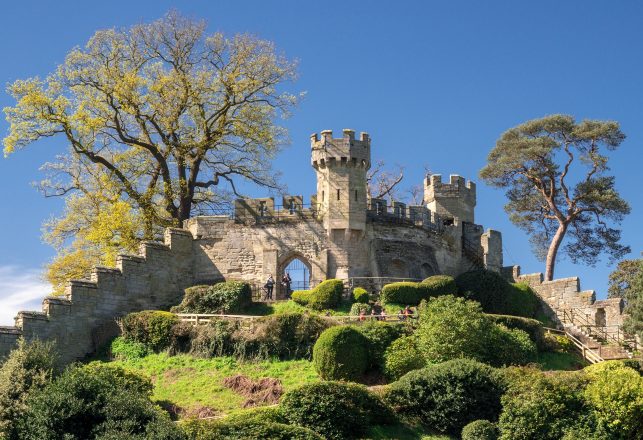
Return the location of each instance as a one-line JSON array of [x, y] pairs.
[[588, 353], [602, 333]]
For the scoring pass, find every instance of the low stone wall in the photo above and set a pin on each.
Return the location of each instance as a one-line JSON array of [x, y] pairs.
[[84, 317], [565, 294]]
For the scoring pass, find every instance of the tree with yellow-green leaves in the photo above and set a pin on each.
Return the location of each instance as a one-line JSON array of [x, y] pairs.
[[162, 121]]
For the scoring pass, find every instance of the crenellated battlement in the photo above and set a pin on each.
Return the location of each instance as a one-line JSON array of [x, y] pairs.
[[345, 151], [455, 199]]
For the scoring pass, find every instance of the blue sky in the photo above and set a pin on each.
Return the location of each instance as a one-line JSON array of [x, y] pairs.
[[433, 82]]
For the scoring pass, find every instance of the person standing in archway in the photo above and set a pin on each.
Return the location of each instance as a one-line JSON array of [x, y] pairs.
[[285, 282], [270, 284]]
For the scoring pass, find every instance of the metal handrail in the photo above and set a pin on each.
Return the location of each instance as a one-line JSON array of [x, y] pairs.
[[587, 353], [582, 321]]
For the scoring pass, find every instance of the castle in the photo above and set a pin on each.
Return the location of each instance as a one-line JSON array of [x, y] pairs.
[[341, 233]]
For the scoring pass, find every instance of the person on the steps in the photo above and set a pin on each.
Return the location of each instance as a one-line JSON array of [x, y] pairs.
[[270, 284]]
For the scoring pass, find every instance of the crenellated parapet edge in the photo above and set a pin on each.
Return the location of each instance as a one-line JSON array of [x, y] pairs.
[[455, 199], [80, 320], [346, 151], [563, 295]]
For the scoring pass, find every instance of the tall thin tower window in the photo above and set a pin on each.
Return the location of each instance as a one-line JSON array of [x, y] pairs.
[[338, 195]]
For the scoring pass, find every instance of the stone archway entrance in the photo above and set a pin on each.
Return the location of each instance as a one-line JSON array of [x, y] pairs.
[[300, 271]]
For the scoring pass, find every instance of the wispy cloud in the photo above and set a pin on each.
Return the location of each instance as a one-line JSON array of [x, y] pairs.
[[20, 289]]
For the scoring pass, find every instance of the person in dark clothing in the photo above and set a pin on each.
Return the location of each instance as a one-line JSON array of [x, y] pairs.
[[270, 284]]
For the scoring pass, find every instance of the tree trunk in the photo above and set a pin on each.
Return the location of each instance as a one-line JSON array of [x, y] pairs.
[[550, 263]]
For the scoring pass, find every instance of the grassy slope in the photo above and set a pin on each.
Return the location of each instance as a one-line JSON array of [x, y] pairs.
[[190, 382]]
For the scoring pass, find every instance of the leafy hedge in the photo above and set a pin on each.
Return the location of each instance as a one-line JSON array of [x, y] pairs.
[[410, 293], [480, 430], [533, 328], [245, 430], [448, 396], [360, 295], [341, 353], [326, 295], [225, 297], [358, 307], [335, 410], [401, 357], [150, 327], [380, 335]]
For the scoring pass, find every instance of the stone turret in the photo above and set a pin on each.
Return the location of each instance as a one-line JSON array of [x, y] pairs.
[[341, 165], [456, 199]]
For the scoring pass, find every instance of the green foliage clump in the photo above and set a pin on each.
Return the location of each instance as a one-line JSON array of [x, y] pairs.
[[29, 367], [252, 429], [615, 394], [96, 402], [480, 430], [123, 349], [541, 406], [438, 285], [522, 301], [341, 353], [335, 410], [224, 297], [360, 295], [452, 328], [301, 297], [404, 292], [326, 295], [531, 326], [401, 357], [150, 327], [448, 396], [487, 287], [380, 335], [360, 308]]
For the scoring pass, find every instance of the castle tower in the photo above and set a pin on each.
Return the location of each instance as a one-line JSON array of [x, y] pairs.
[[341, 165], [455, 199]]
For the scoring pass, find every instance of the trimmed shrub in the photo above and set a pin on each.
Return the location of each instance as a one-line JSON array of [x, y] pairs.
[[123, 349], [448, 396], [541, 406], [96, 401], [487, 287], [245, 430], [341, 353], [401, 357], [357, 308], [615, 394], [29, 368], [380, 335], [510, 347], [326, 295], [360, 295], [224, 297], [531, 326], [440, 285], [213, 340], [480, 430], [335, 410], [301, 297], [404, 292], [150, 327]]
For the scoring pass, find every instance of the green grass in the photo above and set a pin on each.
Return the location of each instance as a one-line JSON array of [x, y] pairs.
[[191, 383], [403, 432], [290, 306], [560, 361]]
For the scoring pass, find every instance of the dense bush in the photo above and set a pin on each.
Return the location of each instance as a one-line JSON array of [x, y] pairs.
[[615, 394], [301, 297], [29, 367], [541, 406], [212, 340], [123, 349], [452, 328], [341, 353], [405, 292], [401, 357], [438, 285], [531, 326], [380, 335], [93, 402], [225, 297], [487, 287], [335, 410], [245, 430], [448, 396], [360, 308], [360, 295], [480, 430], [522, 301], [326, 295], [150, 327]]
